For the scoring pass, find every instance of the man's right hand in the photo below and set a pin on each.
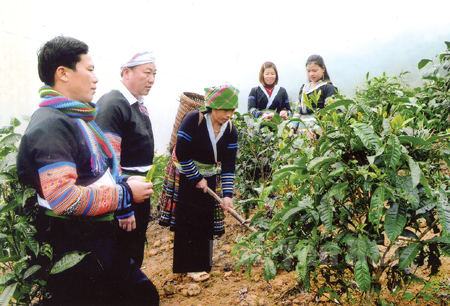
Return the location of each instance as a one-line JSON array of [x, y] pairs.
[[141, 190], [203, 185]]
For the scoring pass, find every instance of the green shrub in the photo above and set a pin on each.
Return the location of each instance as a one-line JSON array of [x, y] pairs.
[[355, 205], [24, 264]]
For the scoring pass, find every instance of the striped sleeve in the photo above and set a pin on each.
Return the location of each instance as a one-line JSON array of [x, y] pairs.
[[229, 165], [185, 135], [189, 169], [66, 198], [255, 113]]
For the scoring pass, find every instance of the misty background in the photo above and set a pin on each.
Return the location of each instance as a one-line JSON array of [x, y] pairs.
[[200, 43]]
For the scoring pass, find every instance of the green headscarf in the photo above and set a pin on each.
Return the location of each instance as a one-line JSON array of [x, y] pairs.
[[221, 97]]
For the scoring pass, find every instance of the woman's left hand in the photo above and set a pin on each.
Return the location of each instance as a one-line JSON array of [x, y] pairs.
[[227, 203], [284, 114]]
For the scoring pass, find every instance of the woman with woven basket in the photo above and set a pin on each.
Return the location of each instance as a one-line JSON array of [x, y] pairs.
[[204, 156], [268, 97]]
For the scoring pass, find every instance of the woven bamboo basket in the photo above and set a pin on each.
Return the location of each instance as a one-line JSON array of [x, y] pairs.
[[189, 101]]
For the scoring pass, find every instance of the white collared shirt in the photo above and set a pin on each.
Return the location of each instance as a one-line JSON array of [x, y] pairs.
[[132, 99]]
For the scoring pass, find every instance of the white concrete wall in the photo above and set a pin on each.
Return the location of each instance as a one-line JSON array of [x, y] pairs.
[[203, 43]]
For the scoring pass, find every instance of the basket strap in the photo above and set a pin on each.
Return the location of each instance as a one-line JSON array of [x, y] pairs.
[[200, 118]]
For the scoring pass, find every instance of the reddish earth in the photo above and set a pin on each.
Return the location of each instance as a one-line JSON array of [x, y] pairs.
[[227, 287]]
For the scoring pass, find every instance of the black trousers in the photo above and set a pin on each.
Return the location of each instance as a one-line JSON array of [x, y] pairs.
[[132, 244], [103, 277]]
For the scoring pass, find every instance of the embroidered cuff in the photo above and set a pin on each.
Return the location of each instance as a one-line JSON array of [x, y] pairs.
[[256, 113], [124, 208], [123, 178]]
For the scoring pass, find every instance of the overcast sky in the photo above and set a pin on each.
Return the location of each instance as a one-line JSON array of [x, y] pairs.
[[204, 43]]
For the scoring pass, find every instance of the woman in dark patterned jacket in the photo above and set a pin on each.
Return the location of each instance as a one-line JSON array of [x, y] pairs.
[[318, 82], [268, 95], [205, 150]]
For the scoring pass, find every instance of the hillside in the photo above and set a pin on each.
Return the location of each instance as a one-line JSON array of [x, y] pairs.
[[227, 287]]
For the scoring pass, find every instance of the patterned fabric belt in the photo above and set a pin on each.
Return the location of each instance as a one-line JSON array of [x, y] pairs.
[[105, 217], [206, 170]]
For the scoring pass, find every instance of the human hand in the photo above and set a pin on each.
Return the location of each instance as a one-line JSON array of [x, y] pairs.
[[141, 190], [128, 223], [227, 203], [268, 116], [203, 184], [284, 114], [135, 178], [311, 134]]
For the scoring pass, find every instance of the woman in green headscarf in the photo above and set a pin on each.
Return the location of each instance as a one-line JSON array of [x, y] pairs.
[[206, 152]]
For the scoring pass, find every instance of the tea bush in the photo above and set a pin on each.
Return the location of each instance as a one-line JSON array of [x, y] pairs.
[[355, 206], [24, 264]]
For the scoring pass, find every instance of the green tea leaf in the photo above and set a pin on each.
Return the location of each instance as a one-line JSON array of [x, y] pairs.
[[362, 274], [415, 171], [395, 221], [270, 270], [408, 255], [10, 140], [367, 136], [331, 106], [408, 296], [28, 232], [377, 206], [6, 178], [393, 152], [7, 294], [67, 261], [374, 252], [149, 176], [302, 265], [31, 271], [289, 214], [244, 259], [413, 140], [320, 161], [423, 63], [326, 214], [443, 210]]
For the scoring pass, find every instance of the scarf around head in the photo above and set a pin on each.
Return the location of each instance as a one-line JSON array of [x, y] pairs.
[[83, 114], [139, 59], [221, 97]]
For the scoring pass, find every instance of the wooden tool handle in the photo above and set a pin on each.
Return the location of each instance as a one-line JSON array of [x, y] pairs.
[[231, 211]]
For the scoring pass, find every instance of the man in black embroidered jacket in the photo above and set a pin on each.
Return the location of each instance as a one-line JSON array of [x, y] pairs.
[[126, 123], [71, 164]]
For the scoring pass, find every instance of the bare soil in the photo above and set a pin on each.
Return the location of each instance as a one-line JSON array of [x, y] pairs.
[[228, 287]]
